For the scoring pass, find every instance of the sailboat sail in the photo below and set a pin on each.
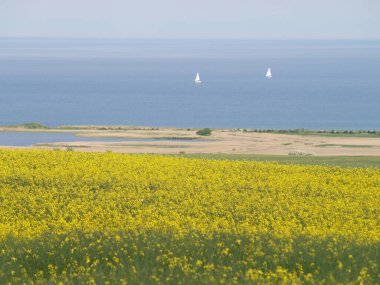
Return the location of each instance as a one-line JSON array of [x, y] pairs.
[[269, 73], [198, 78]]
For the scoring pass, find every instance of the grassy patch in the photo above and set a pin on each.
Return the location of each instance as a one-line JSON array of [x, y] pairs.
[[325, 133], [32, 125], [344, 161], [344, 145]]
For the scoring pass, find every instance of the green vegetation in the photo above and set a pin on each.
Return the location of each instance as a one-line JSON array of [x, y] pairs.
[[344, 145], [300, 153], [154, 257], [204, 132], [32, 125], [107, 128], [174, 138], [344, 161], [327, 133]]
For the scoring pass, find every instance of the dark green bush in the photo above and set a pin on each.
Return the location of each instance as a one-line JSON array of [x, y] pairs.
[[204, 132], [34, 126]]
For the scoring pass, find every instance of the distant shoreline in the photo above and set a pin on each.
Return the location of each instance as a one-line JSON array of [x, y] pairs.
[[139, 139], [296, 131]]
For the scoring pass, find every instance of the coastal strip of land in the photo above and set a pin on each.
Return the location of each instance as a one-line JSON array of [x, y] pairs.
[[135, 139]]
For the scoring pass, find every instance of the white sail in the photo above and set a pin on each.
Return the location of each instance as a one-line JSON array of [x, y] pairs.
[[197, 78], [269, 73]]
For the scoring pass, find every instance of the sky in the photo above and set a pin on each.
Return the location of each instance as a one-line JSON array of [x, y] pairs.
[[195, 19]]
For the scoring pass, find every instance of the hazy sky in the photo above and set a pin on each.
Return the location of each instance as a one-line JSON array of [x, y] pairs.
[[253, 19]]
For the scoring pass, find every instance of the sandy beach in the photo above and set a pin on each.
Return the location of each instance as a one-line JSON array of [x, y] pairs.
[[176, 141]]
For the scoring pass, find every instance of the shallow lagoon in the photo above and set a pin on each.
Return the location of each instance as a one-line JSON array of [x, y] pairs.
[[31, 138]]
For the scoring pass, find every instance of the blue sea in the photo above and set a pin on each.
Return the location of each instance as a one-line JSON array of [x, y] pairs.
[[315, 84]]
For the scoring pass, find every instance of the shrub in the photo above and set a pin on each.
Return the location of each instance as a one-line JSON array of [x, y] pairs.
[[34, 126], [204, 132]]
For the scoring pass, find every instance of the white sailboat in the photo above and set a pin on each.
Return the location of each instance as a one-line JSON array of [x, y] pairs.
[[198, 79], [269, 74]]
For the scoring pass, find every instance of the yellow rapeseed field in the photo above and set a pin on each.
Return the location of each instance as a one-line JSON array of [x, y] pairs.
[[105, 218]]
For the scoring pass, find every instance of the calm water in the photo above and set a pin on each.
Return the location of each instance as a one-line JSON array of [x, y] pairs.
[[315, 85], [31, 138]]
